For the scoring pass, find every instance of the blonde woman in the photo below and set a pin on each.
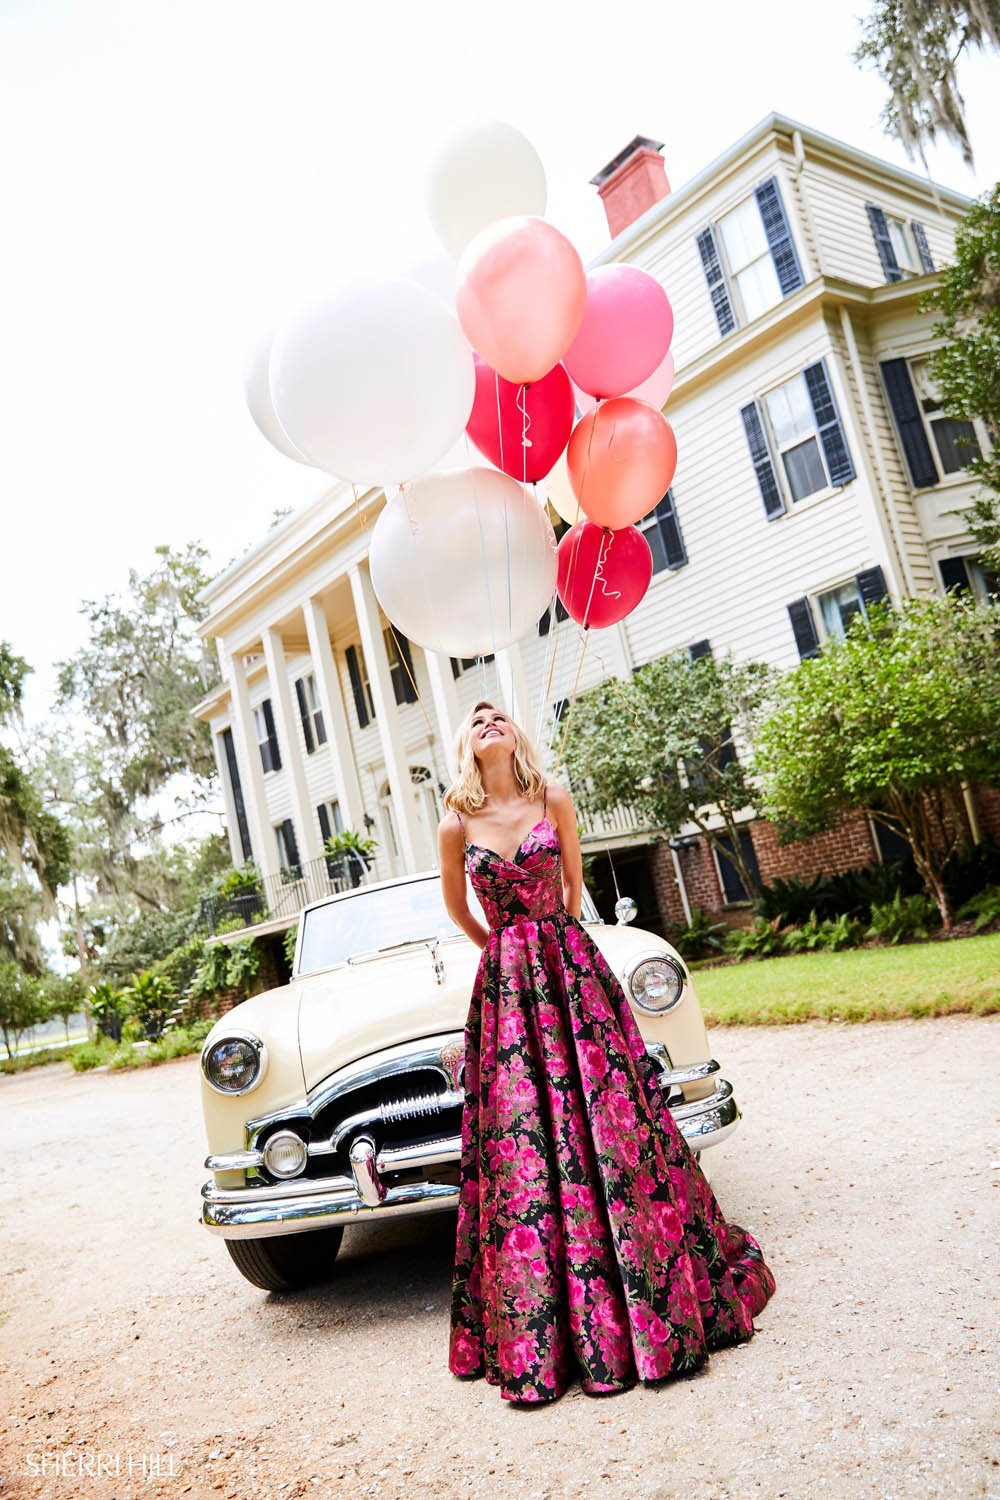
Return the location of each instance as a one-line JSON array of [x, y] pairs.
[[589, 1241]]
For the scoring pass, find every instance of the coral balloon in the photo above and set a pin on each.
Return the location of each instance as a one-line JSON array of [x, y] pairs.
[[375, 383], [621, 459], [626, 330], [655, 391], [521, 296], [486, 172], [602, 574], [498, 424], [464, 563]]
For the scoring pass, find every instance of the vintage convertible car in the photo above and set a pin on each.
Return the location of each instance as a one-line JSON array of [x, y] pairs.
[[338, 1097]]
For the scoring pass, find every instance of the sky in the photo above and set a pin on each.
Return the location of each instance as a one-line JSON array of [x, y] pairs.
[[178, 177]]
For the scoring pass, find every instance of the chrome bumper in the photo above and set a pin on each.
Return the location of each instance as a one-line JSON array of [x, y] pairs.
[[259, 1211]]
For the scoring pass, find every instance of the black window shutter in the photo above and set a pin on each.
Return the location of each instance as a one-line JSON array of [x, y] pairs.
[[673, 542], [779, 236], [883, 244], [290, 844], [357, 686], [803, 628], [456, 665], [760, 454], [272, 735], [923, 249], [954, 573], [871, 585], [236, 787], [324, 821], [307, 733], [715, 278], [403, 646], [831, 431], [700, 649], [903, 400]]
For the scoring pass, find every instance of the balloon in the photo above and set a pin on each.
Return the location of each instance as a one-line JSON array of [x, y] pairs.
[[463, 563], [621, 459], [257, 388], [435, 272], [375, 383], [559, 493], [521, 297], [626, 331], [655, 391], [603, 574], [486, 172], [498, 421]]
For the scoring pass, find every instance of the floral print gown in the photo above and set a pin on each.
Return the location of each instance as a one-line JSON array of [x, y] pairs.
[[589, 1243]]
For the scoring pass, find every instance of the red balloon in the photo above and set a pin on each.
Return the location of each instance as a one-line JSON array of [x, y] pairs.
[[603, 574], [621, 459], [550, 406]]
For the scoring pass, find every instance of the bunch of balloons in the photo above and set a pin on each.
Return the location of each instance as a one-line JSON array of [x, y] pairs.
[[550, 372]]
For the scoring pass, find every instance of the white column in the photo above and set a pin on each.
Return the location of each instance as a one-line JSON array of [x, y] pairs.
[[387, 720], [265, 849], [514, 686], [232, 822], [288, 743], [331, 701], [445, 703]]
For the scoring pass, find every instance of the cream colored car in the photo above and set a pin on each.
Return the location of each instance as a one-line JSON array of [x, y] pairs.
[[338, 1098]]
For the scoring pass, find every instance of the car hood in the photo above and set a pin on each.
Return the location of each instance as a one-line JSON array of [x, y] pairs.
[[353, 1010]]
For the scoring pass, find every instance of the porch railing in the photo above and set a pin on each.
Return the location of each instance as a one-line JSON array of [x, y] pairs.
[[284, 894]]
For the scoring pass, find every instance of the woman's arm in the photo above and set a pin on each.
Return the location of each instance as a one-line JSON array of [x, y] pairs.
[[451, 853], [564, 817]]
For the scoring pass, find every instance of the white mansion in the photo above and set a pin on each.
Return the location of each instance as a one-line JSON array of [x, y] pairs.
[[816, 474]]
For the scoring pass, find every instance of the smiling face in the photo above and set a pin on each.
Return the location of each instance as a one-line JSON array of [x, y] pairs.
[[491, 732]]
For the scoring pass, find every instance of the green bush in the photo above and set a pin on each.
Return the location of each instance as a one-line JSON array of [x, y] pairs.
[[828, 936], [984, 908], [108, 1008], [903, 918], [93, 1054], [701, 938], [761, 940], [288, 944], [150, 999]]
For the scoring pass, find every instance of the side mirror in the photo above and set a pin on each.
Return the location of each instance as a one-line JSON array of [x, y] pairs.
[[625, 910]]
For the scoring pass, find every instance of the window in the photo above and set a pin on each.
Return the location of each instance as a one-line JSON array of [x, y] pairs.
[[267, 739], [331, 819], [401, 671], [288, 849], [796, 439], [838, 607], [970, 576], [955, 441], [460, 664], [313, 728], [236, 787], [749, 259], [734, 888], [663, 534], [358, 673], [561, 613], [902, 247]]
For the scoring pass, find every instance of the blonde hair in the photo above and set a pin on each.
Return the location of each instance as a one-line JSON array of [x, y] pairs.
[[466, 795]]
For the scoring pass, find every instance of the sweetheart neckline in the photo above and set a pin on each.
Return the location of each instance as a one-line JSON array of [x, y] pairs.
[[513, 860]]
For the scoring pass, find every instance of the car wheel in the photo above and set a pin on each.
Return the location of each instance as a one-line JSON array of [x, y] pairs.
[[287, 1262]]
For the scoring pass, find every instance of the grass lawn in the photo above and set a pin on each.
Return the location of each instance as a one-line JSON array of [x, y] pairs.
[[860, 984]]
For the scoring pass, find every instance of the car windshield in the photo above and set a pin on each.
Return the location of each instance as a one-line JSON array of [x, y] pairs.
[[368, 921]]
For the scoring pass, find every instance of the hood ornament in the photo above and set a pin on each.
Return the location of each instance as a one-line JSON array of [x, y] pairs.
[[434, 948]]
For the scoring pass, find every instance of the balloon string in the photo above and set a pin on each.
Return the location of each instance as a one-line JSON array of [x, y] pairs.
[[506, 522], [572, 698], [612, 683], [406, 668]]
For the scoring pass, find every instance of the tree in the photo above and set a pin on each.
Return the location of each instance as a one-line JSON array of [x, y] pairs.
[[30, 834], [915, 46], [22, 910], [21, 1004], [966, 368], [63, 994], [664, 744], [895, 721]]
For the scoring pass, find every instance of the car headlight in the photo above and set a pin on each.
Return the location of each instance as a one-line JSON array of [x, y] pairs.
[[235, 1063], [656, 983], [285, 1154]]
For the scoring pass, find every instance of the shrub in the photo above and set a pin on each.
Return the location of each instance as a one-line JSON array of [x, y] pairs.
[[288, 944], [792, 900], [93, 1054], [761, 940], [150, 998], [902, 918], [700, 938], [984, 908], [108, 1008]]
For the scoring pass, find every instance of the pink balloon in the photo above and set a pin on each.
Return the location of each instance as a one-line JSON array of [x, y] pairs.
[[621, 459], [521, 296], [602, 574], [655, 391], [626, 330], [498, 424]]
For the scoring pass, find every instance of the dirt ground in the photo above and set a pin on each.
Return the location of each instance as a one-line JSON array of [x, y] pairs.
[[867, 1163]]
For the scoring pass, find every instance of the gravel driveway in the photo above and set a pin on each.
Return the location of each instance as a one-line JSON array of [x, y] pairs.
[[867, 1163]]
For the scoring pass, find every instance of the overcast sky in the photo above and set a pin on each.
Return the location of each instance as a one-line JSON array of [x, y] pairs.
[[176, 175]]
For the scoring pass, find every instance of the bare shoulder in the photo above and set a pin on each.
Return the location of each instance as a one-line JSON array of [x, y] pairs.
[[558, 798], [450, 829]]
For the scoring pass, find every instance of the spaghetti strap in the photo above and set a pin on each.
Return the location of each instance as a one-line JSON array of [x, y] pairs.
[[461, 824], [545, 801]]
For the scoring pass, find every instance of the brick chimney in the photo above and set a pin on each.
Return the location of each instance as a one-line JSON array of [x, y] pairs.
[[632, 182]]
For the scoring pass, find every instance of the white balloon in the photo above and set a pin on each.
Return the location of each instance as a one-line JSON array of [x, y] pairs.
[[375, 383], [464, 563], [486, 172], [436, 273], [257, 388]]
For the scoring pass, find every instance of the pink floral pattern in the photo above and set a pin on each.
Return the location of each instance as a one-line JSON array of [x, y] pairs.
[[589, 1242]]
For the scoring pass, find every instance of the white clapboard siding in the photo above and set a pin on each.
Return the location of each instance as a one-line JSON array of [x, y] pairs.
[[836, 200]]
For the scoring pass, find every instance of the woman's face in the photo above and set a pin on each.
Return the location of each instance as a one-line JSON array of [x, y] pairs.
[[491, 733]]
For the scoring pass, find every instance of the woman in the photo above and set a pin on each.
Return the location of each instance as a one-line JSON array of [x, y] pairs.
[[589, 1241]]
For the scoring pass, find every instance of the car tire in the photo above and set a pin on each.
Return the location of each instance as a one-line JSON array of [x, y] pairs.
[[287, 1262]]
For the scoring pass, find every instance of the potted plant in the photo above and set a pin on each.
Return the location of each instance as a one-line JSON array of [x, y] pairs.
[[348, 856]]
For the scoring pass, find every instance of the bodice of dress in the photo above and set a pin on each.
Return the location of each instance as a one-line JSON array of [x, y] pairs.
[[525, 888]]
